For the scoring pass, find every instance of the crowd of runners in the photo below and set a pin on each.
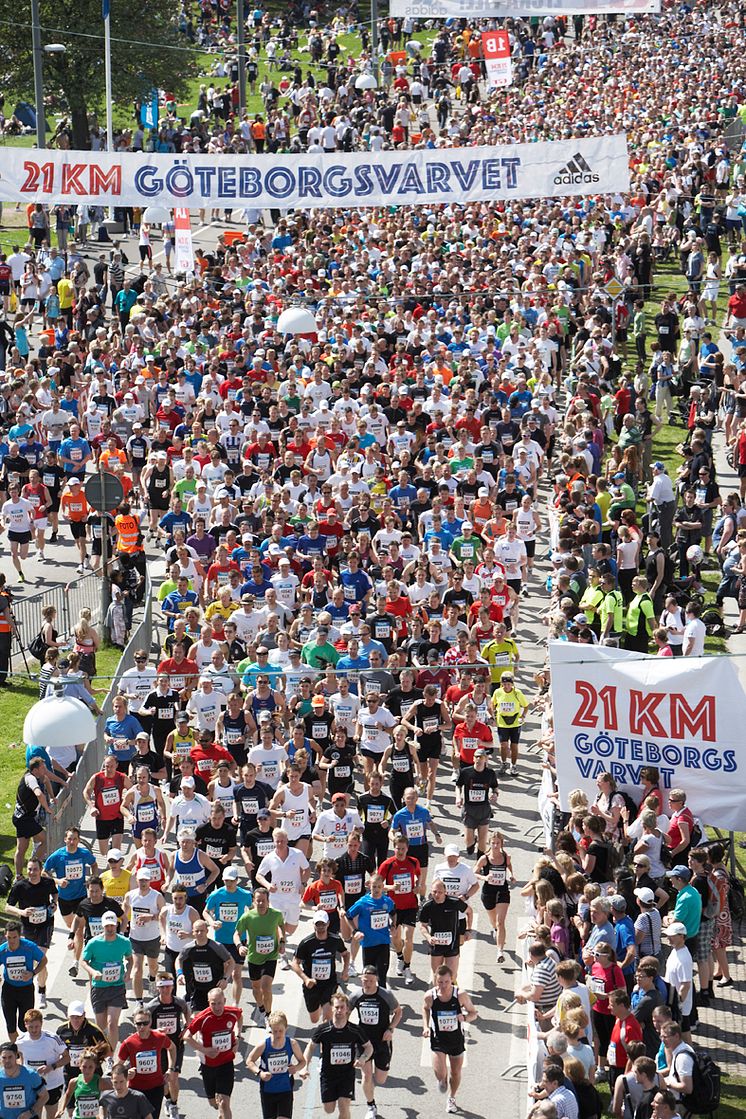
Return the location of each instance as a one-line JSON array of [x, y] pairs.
[[343, 529]]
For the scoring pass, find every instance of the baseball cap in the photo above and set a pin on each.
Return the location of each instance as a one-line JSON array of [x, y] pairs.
[[74, 481], [659, 466], [109, 918], [451, 849], [320, 917], [339, 796], [182, 717], [230, 874], [676, 928], [76, 1009], [187, 782], [318, 701], [114, 855], [144, 874], [645, 895], [480, 753], [164, 981], [679, 871], [143, 734], [618, 903], [264, 814]]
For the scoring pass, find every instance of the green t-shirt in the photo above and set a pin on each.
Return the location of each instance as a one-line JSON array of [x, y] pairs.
[[262, 932], [108, 956], [186, 485]]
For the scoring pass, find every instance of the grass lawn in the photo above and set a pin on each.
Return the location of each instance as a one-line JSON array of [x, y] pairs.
[[15, 702]]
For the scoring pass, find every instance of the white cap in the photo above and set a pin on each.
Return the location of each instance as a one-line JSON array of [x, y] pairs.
[[114, 855], [320, 917], [187, 782], [76, 1008], [230, 874], [143, 874], [451, 849], [109, 918]]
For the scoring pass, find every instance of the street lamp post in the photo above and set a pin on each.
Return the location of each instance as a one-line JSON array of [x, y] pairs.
[[241, 43], [374, 35], [41, 131]]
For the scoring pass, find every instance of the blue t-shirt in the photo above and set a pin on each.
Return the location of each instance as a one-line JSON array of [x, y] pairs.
[[75, 450], [129, 727], [14, 961], [72, 867], [355, 585], [413, 825], [18, 1093], [227, 907], [373, 919], [625, 935]]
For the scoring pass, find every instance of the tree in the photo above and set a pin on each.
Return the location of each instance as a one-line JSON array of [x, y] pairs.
[[145, 53]]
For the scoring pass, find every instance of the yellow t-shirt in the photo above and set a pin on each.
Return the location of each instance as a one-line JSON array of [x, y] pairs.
[[66, 293], [116, 887]]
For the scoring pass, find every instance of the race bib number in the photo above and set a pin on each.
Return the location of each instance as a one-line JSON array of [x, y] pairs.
[[146, 813], [14, 1099], [597, 985], [470, 743], [379, 921], [188, 880], [202, 973], [383, 629], [38, 915], [321, 970], [277, 1063], [263, 847], [270, 771], [344, 771], [447, 1021], [369, 1014], [228, 913], [354, 884], [73, 871], [441, 938], [265, 945], [95, 926], [146, 1062], [415, 830], [109, 797], [375, 814], [328, 901], [250, 807], [167, 1023], [16, 968], [319, 730], [111, 973], [477, 796], [76, 1052], [222, 1041], [340, 1055], [87, 1107], [496, 877], [430, 726], [611, 1054], [213, 850], [401, 763]]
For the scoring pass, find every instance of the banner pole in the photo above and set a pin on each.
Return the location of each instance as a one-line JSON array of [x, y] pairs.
[[107, 78], [374, 36]]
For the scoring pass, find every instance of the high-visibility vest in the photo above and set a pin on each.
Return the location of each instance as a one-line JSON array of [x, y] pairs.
[[640, 604], [128, 530], [613, 603], [590, 602]]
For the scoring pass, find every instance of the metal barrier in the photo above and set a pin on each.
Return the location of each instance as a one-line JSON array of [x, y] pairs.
[[68, 600], [71, 807]]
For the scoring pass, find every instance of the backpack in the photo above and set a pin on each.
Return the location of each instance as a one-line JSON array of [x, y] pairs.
[[736, 900], [697, 835], [704, 1097], [38, 648], [630, 805], [711, 907], [6, 880], [644, 1107]]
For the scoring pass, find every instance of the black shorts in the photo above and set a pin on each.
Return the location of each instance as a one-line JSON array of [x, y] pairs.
[[41, 935], [429, 750], [451, 1049], [19, 537], [179, 1056], [530, 546], [258, 971], [105, 829], [26, 827], [742, 470], [15, 1001], [493, 896], [421, 852], [337, 1086], [55, 1094], [233, 950], [218, 1080], [374, 755], [77, 528], [405, 917], [69, 905], [5, 285], [276, 1105], [382, 1055], [318, 996], [509, 734]]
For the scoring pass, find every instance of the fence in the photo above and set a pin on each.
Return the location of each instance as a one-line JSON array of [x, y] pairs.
[[67, 598], [71, 805]]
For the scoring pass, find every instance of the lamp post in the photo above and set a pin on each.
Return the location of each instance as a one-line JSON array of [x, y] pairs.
[[59, 720], [41, 132], [374, 36], [241, 44]]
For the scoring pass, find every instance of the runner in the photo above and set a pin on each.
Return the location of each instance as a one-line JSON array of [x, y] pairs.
[[107, 959], [496, 873], [21, 960], [218, 1028], [315, 965], [379, 1015], [402, 877], [343, 1049], [445, 1011], [276, 1061]]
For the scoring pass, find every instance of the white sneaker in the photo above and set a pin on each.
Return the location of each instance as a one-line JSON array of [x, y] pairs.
[[514, 771], [371, 1111], [408, 977], [352, 970], [451, 1107], [501, 957], [400, 968], [285, 963], [42, 1001], [80, 569]]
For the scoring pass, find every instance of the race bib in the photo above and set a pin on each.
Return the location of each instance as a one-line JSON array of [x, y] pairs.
[[340, 1055], [344, 771], [328, 900], [375, 814], [38, 915], [470, 743], [379, 921], [597, 985], [86, 1107], [228, 913], [14, 1099], [188, 880], [109, 797], [146, 813], [402, 883], [73, 871], [277, 1063], [167, 1023], [76, 1052], [369, 1013], [354, 884], [415, 830], [95, 926], [321, 970], [222, 1041], [263, 847], [496, 877], [265, 945], [270, 770], [319, 730], [477, 796], [447, 1021], [202, 973], [213, 850], [146, 1062], [15, 967], [111, 973], [382, 630], [250, 807], [401, 763], [611, 1054], [441, 938], [430, 726]]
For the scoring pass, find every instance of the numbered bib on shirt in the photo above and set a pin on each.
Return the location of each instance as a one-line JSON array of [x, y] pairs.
[[109, 797], [265, 945], [277, 1063], [202, 973], [111, 973], [222, 1041], [146, 1062], [447, 1021], [379, 921], [14, 1099], [340, 1055], [441, 938], [415, 830], [321, 970]]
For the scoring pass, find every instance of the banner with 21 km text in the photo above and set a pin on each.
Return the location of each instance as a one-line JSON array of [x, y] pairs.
[[391, 178], [616, 712]]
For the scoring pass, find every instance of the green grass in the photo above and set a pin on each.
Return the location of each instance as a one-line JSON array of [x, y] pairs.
[[15, 702], [732, 1098]]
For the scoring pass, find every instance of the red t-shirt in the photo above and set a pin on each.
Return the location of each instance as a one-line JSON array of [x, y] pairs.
[[144, 1055], [467, 740], [623, 1032], [108, 795], [221, 1032], [206, 758], [328, 896], [402, 875]]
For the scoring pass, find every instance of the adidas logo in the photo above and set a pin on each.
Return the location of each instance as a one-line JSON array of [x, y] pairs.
[[576, 172]]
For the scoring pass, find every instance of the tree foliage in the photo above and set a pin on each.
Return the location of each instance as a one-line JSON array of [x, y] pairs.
[[144, 38]]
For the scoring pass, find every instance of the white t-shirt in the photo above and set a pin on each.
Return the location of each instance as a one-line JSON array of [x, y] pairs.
[[44, 1051], [335, 829], [679, 970], [268, 763], [287, 875], [374, 728], [695, 631], [207, 708], [190, 813]]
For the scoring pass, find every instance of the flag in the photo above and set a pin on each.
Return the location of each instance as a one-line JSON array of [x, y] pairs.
[[496, 50], [105, 9]]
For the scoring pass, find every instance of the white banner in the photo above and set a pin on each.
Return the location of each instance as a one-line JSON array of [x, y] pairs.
[[499, 9], [616, 712], [183, 250], [550, 170], [497, 60]]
